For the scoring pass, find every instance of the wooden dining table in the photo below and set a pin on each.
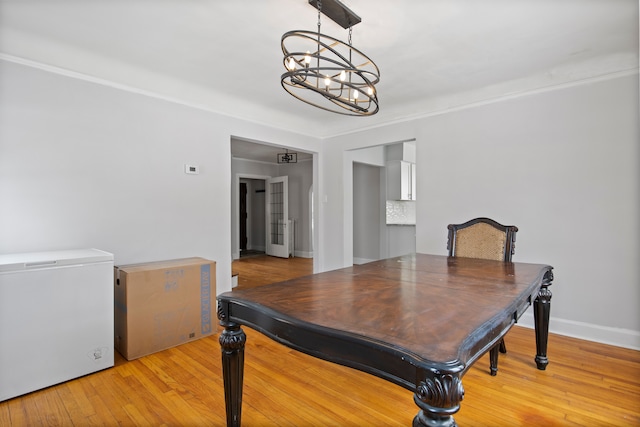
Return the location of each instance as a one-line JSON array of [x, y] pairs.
[[419, 321]]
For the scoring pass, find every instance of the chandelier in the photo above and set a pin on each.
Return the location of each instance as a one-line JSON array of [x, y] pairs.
[[326, 72], [287, 157]]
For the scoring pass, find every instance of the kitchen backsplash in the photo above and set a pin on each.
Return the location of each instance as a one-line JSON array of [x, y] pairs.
[[401, 212]]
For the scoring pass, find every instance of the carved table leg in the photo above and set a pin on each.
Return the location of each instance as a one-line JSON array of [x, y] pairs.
[[438, 398], [493, 359], [232, 340], [541, 312]]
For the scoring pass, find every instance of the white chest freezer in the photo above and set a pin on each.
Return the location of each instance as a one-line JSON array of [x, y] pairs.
[[56, 318]]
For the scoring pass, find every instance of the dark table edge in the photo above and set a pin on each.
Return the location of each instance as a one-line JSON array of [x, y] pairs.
[[389, 362]]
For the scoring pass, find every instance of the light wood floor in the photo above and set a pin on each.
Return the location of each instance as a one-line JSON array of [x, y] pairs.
[[262, 270], [585, 384]]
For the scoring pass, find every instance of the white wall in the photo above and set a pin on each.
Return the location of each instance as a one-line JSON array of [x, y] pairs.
[[562, 165], [86, 165]]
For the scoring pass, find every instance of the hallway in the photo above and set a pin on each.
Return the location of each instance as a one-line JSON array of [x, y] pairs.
[[263, 269]]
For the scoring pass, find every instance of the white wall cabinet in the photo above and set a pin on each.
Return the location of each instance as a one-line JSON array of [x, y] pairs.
[[401, 180]]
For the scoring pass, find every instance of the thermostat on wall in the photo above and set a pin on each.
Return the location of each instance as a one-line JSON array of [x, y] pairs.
[[192, 169]]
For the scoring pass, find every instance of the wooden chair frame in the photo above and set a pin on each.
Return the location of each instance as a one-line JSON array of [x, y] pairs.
[[507, 236]]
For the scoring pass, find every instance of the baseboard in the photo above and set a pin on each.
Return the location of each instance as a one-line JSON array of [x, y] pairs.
[[618, 337], [358, 261], [303, 254]]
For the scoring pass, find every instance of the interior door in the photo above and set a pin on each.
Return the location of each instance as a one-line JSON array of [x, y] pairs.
[[277, 199]]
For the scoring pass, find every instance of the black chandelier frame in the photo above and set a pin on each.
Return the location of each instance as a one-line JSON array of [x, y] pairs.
[[340, 78]]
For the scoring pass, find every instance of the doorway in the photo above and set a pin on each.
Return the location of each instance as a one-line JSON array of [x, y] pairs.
[[367, 212], [253, 162], [243, 217], [373, 204], [251, 216]]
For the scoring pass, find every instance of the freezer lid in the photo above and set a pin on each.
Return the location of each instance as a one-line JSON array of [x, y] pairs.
[[38, 260]]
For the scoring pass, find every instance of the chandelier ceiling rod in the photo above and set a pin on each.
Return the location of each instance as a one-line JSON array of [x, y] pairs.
[[337, 12]]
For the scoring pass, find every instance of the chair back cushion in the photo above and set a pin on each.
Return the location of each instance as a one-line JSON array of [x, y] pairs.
[[481, 240]]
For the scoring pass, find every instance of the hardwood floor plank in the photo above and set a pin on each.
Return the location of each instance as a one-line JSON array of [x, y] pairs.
[[136, 416], [76, 406], [12, 413], [51, 404], [113, 397], [372, 408]]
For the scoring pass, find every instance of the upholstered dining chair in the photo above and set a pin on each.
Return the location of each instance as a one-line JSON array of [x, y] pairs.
[[486, 239]]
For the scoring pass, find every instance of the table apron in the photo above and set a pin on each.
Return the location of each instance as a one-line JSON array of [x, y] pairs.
[[365, 354]]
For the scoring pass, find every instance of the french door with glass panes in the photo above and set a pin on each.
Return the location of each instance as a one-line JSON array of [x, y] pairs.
[[277, 198]]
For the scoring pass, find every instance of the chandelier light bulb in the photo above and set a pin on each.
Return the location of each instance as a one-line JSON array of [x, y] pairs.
[[343, 76], [370, 91], [327, 82], [307, 59], [292, 64], [355, 95]]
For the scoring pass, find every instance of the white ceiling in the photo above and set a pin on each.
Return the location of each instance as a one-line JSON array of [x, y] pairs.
[[225, 56]]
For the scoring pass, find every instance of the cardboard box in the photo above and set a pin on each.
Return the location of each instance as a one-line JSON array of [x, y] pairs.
[[162, 304]]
